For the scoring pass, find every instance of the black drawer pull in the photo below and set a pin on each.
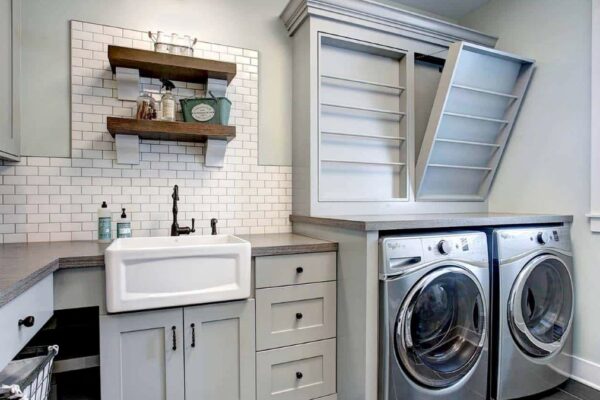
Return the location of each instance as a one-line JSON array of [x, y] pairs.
[[174, 330], [299, 315], [193, 335], [299, 375], [299, 270], [27, 321]]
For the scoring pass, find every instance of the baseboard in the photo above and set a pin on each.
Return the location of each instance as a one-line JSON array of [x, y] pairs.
[[586, 372]]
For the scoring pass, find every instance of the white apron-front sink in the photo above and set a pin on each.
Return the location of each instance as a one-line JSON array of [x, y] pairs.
[[156, 272]]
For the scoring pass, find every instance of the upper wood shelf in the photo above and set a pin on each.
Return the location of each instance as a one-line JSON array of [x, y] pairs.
[[169, 130], [169, 66]]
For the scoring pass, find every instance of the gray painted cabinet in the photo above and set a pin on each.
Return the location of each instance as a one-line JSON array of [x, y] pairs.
[[220, 351], [160, 355], [10, 17], [141, 355]]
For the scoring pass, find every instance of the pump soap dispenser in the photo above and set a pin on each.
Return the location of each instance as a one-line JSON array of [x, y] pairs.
[[168, 101]]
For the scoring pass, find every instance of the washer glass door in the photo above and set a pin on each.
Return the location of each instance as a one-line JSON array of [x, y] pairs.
[[541, 306], [440, 328]]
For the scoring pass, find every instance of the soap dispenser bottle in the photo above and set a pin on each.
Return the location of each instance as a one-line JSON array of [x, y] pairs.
[[168, 101], [124, 226], [104, 224]]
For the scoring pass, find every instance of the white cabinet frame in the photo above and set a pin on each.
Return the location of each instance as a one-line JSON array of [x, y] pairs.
[[594, 214]]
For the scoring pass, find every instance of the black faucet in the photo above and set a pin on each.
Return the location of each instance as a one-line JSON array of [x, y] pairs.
[[177, 230], [213, 226]]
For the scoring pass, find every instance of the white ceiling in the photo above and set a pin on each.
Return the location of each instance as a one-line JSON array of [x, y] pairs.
[[454, 9]]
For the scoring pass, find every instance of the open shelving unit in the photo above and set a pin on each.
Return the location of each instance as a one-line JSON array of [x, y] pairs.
[[152, 64], [477, 102], [362, 136]]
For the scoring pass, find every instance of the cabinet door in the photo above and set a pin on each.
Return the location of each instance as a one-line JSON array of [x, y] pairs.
[[10, 17], [220, 351], [141, 355]]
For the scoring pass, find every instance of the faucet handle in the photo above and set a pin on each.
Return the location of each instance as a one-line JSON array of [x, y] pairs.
[[193, 225]]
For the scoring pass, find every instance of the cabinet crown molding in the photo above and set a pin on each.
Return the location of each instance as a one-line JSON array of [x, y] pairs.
[[382, 17]]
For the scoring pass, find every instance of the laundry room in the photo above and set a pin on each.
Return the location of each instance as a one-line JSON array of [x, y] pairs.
[[299, 200]]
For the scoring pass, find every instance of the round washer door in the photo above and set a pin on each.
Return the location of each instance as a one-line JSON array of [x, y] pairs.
[[540, 307], [440, 328]]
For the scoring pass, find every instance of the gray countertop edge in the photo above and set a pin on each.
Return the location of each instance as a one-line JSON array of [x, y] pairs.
[[428, 222], [63, 263]]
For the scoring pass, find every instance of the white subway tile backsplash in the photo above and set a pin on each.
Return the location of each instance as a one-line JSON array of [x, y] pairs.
[[57, 198]]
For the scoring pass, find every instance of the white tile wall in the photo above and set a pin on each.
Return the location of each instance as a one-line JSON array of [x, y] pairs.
[[51, 199]]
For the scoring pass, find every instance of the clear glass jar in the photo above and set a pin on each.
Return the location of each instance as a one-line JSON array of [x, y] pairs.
[[146, 106]]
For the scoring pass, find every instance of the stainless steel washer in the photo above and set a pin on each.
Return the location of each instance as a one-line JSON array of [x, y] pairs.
[[534, 267], [434, 296]]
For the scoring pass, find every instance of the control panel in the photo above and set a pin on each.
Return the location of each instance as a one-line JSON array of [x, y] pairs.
[[397, 254], [512, 242]]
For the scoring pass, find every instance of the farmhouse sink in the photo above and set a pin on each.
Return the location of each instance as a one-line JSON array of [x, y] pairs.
[[156, 272]]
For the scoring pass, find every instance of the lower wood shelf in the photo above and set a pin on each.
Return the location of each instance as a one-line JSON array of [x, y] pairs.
[[169, 130]]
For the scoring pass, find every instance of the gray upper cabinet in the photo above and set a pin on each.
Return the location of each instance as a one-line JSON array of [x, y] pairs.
[[477, 102], [142, 355], [202, 352], [10, 33], [220, 351], [374, 132]]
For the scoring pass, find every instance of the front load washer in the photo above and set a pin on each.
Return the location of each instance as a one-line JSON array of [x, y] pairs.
[[534, 268], [434, 294]]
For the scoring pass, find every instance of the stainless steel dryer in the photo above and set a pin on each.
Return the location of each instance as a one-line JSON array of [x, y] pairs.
[[434, 294], [535, 309]]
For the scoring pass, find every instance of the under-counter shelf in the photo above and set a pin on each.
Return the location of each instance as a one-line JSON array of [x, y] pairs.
[[169, 130], [477, 102], [152, 64]]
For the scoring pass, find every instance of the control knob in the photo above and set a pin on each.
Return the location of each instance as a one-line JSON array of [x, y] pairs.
[[444, 247], [543, 238]]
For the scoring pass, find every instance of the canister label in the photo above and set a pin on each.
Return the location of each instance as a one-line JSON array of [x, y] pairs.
[[203, 112]]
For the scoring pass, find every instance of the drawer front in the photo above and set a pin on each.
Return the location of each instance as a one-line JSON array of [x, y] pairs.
[[300, 372], [295, 269], [295, 314], [37, 302]]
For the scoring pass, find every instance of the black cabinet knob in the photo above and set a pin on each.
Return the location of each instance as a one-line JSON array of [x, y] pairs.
[[299, 270], [298, 315], [27, 321], [299, 375]]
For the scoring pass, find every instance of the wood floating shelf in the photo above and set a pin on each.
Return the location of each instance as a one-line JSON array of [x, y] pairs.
[[152, 64], [169, 130]]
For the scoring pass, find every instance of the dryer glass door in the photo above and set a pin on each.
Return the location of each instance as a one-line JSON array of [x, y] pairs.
[[440, 328], [541, 306]]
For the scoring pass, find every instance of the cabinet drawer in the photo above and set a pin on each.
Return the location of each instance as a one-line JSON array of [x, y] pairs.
[[295, 269], [36, 302], [295, 314], [300, 372]]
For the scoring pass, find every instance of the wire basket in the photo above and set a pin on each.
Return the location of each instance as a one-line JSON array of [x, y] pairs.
[[28, 377]]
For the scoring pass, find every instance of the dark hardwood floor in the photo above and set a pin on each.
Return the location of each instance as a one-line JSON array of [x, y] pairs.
[[570, 390]]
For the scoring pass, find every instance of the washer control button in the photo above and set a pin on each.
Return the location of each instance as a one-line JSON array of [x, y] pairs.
[[543, 238], [444, 247]]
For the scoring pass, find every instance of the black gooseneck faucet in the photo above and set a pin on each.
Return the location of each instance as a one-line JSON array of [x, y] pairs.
[[177, 230]]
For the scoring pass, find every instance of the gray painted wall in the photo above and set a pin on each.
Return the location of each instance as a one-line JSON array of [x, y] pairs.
[[251, 24], [546, 167]]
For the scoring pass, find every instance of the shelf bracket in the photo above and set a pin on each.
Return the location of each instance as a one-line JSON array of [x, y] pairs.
[[128, 83], [128, 149], [215, 152]]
